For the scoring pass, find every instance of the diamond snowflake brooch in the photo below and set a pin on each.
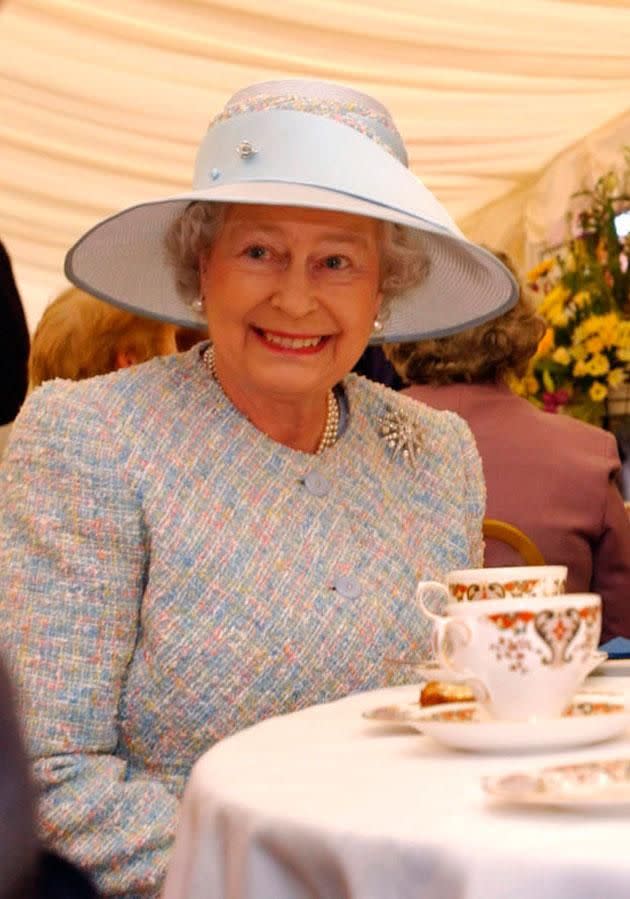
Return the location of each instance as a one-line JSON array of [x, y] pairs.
[[402, 435]]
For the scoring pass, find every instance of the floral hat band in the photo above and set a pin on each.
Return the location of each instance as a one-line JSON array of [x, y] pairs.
[[351, 108]]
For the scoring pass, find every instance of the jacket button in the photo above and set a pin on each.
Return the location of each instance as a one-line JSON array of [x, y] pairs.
[[317, 484], [348, 586]]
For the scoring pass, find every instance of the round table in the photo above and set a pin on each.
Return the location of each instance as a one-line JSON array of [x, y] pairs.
[[326, 805]]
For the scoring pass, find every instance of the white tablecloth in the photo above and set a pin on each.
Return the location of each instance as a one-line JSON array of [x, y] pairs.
[[325, 805]]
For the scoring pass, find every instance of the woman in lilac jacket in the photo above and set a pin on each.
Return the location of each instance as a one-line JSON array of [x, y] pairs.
[[550, 475]]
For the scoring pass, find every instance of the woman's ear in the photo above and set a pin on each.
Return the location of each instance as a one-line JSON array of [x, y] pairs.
[[125, 358]]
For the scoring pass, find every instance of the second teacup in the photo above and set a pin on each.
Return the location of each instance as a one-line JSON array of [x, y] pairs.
[[500, 583]]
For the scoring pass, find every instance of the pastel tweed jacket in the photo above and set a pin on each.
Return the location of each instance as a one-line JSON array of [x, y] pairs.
[[170, 575]]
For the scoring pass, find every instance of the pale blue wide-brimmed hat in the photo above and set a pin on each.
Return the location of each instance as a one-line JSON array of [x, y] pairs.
[[301, 143]]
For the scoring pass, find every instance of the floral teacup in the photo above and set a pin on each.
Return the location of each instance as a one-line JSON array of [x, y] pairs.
[[499, 583], [524, 656]]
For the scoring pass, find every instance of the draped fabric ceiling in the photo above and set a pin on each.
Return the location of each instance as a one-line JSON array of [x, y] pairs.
[[102, 105]]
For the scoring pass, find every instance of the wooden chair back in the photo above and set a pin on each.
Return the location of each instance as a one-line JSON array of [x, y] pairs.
[[493, 529]]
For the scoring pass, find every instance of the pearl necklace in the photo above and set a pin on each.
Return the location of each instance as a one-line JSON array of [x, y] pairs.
[[331, 428]]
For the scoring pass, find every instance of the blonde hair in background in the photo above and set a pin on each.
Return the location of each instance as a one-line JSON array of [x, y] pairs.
[[79, 337], [488, 353]]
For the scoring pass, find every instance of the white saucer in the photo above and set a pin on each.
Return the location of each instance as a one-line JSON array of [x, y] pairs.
[[595, 785], [614, 668], [592, 718]]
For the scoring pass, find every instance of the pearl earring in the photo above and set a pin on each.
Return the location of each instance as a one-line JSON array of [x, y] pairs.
[[198, 304], [377, 326]]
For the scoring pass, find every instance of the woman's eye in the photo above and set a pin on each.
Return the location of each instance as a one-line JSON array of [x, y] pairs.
[[256, 252], [336, 262]]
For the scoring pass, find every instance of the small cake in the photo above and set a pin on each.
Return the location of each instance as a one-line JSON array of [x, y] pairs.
[[435, 692]]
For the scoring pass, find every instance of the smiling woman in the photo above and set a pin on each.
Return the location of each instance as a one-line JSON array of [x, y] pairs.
[[203, 541]]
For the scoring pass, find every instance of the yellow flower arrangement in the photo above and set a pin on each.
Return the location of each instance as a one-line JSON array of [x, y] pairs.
[[597, 392], [616, 378], [562, 356], [542, 268], [585, 302], [597, 365]]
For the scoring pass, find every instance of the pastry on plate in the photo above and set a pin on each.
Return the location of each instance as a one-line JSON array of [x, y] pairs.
[[435, 692]]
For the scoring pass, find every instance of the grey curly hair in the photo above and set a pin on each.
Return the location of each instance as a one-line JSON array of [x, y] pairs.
[[488, 353], [404, 264]]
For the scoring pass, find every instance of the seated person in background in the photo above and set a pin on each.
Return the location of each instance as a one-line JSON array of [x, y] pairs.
[[552, 476], [187, 338], [79, 337], [14, 347], [375, 365]]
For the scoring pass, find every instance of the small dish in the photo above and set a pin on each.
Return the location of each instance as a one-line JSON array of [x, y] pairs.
[[591, 718], [597, 785], [393, 713]]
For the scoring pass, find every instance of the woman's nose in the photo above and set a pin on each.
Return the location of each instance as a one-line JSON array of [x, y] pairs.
[[294, 291]]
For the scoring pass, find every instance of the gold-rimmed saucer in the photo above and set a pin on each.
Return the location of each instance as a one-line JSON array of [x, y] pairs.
[[591, 718]]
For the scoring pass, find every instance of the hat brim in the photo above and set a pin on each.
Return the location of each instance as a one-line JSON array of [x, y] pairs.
[[123, 260], [294, 158]]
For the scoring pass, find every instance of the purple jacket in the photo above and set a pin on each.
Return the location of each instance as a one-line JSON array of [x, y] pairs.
[[553, 477]]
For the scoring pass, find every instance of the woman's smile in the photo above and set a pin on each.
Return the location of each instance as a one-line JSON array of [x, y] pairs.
[[291, 344]]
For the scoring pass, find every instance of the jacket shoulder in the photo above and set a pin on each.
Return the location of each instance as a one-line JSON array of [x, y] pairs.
[[378, 395], [161, 376], [437, 426], [576, 432]]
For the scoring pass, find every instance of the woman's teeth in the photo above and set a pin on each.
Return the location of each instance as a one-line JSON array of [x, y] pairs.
[[291, 343]]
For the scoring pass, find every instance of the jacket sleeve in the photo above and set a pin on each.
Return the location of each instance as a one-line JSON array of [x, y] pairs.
[[474, 491], [611, 557], [73, 554]]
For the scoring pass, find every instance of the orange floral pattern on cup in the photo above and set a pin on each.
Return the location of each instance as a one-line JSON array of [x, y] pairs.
[[557, 630], [512, 620], [496, 590], [590, 614]]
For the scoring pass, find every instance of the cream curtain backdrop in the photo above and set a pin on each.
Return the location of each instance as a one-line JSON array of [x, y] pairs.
[[103, 105], [532, 217]]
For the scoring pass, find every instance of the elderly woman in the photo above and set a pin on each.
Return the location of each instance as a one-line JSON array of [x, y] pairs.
[[550, 475], [208, 539]]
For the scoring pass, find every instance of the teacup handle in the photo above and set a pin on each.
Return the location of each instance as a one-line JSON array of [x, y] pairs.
[[444, 624], [426, 587], [446, 628]]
